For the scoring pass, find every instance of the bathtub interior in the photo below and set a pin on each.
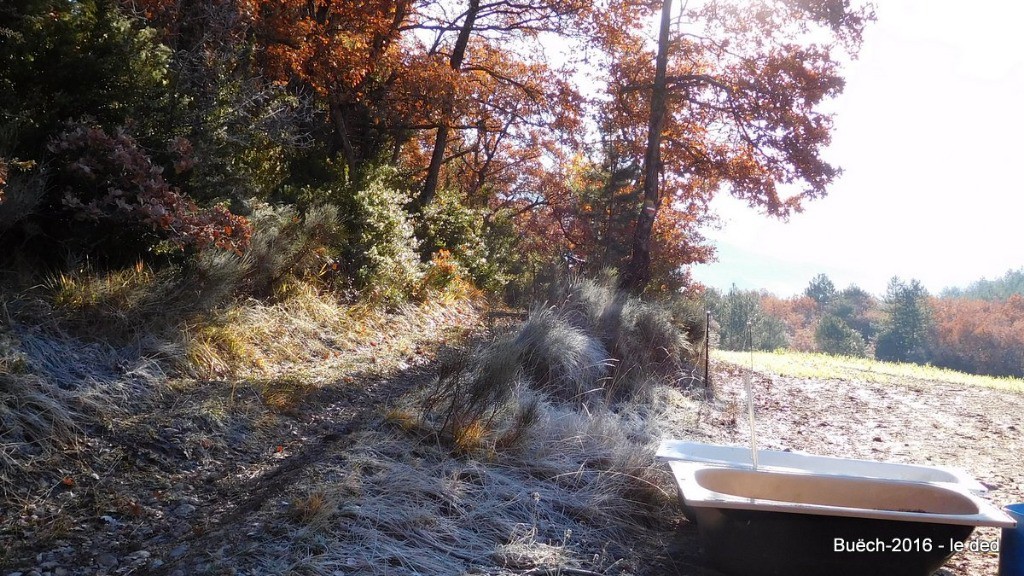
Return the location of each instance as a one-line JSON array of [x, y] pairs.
[[739, 457], [702, 485]]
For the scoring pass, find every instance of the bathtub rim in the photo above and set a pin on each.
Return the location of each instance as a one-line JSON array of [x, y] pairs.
[[777, 460], [697, 496]]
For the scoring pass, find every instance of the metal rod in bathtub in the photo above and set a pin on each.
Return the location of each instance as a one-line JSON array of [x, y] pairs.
[[750, 397]]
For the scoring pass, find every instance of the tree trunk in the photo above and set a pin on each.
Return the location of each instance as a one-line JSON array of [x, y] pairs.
[[441, 139], [341, 138], [638, 270]]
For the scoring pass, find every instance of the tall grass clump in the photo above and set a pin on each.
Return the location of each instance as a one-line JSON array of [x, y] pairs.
[[595, 348], [37, 418], [646, 341], [287, 247], [580, 492], [136, 305]]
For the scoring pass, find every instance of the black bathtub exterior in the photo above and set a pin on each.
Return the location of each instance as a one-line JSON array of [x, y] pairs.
[[767, 543]]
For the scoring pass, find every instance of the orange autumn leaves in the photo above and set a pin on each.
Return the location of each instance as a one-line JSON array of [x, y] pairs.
[[327, 45], [745, 89], [979, 336]]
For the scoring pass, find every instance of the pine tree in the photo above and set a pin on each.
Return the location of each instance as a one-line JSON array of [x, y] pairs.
[[904, 337]]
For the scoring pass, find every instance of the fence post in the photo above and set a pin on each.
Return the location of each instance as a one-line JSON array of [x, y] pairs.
[[707, 354]]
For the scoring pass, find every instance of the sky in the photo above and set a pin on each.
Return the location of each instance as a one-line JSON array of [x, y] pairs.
[[929, 134]]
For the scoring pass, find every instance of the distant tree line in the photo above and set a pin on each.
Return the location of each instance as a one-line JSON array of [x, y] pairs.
[[979, 329]]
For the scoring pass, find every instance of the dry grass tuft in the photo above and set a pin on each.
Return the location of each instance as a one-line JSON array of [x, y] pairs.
[[581, 491], [313, 509], [403, 418], [561, 359], [469, 437], [284, 395], [37, 419], [314, 334], [524, 552]]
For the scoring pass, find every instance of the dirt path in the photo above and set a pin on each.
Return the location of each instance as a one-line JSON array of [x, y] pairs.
[[976, 429]]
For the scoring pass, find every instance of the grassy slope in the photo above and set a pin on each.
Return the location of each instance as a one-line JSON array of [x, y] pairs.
[[823, 366], [291, 420], [79, 416]]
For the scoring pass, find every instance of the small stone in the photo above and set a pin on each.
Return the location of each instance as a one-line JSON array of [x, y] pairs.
[[178, 573], [181, 529], [139, 555], [179, 551], [156, 563], [184, 510], [107, 560], [60, 572]]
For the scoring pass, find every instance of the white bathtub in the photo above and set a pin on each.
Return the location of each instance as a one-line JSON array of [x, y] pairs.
[[775, 460], [773, 523]]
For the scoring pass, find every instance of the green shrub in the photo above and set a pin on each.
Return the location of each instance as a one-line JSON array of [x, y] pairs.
[[743, 324], [905, 335], [376, 237], [833, 336], [61, 60], [856, 308], [21, 197], [382, 247], [244, 131], [484, 248]]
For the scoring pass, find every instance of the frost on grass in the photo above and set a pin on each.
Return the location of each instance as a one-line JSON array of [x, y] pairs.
[[50, 384], [580, 493], [517, 457]]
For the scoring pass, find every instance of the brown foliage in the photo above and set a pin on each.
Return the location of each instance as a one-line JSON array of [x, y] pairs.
[[110, 178], [800, 314], [979, 336]]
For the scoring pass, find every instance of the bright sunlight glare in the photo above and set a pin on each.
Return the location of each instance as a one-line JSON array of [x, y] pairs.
[[928, 134]]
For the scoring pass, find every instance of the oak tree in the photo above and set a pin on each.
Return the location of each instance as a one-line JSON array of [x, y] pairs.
[[742, 84]]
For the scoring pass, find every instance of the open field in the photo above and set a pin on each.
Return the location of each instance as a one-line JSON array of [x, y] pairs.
[[875, 411], [824, 367]]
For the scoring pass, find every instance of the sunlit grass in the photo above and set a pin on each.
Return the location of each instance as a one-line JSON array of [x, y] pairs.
[[823, 366]]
